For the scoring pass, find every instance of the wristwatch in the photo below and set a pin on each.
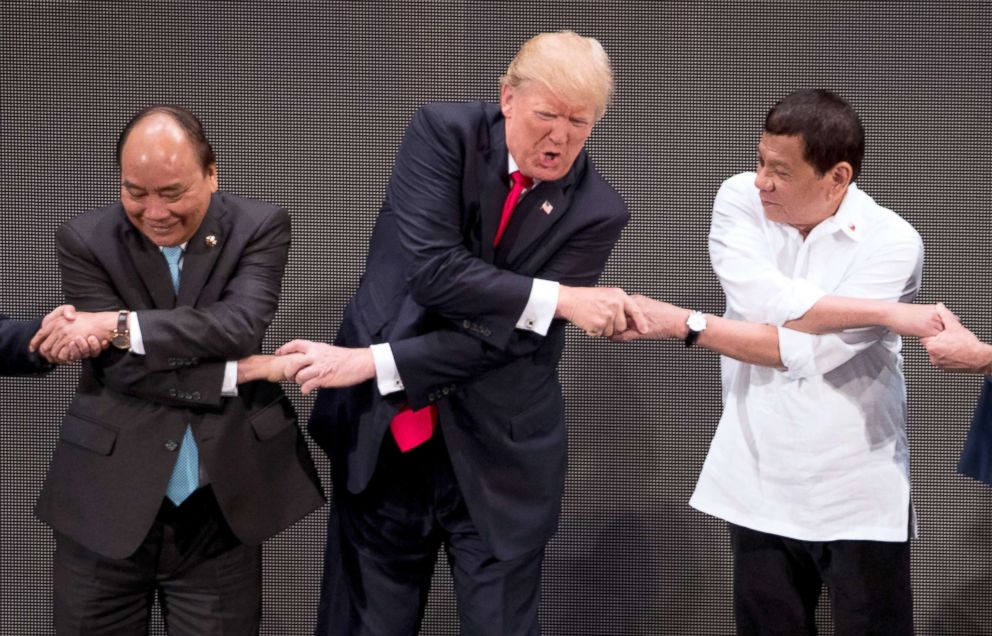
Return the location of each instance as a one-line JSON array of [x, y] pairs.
[[121, 337], [697, 324]]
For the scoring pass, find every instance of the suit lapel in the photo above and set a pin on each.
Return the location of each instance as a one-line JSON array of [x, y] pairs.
[[202, 252], [149, 266], [493, 187]]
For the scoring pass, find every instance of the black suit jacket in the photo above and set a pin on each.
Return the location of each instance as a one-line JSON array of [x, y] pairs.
[[118, 440], [976, 456], [447, 302], [15, 359]]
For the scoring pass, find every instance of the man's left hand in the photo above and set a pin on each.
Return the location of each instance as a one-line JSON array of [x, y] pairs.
[[323, 365]]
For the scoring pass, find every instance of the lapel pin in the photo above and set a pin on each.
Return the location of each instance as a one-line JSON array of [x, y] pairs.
[[210, 240], [547, 207]]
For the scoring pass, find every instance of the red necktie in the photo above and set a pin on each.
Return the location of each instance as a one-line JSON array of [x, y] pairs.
[[520, 183], [412, 428]]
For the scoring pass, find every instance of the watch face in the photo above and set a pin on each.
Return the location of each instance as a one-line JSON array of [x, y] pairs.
[[696, 321], [121, 340]]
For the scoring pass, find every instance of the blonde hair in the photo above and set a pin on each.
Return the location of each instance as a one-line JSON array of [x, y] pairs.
[[574, 68]]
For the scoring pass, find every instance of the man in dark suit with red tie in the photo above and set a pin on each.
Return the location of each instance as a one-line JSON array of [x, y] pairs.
[[173, 463], [451, 431]]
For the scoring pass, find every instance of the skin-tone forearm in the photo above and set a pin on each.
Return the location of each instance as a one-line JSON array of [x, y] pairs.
[[748, 342], [832, 314]]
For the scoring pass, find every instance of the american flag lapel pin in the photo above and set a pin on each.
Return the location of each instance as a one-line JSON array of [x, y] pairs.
[[547, 207]]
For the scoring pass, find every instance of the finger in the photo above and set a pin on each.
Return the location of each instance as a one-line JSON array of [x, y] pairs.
[[47, 327], [635, 315], [619, 321], [309, 386], [925, 341], [68, 312], [93, 347], [946, 316], [293, 346], [294, 366], [305, 374]]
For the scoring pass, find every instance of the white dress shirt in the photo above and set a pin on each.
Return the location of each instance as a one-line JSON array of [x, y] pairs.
[[229, 387], [536, 317], [818, 451]]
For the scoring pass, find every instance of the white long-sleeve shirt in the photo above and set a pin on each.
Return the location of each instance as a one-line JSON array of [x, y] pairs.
[[817, 452]]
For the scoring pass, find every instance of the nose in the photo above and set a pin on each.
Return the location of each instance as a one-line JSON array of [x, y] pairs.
[[762, 181], [559, 131], [155, 209]]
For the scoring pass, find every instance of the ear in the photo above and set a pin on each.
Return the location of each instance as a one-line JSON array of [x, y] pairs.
[[840, 176], [212, 176], [506, 100]]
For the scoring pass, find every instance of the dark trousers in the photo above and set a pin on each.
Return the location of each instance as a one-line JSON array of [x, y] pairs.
[[207, 581], [382, 546], [777, 583]]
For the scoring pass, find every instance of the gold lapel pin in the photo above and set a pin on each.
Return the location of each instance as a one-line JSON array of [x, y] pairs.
[[210, 240]]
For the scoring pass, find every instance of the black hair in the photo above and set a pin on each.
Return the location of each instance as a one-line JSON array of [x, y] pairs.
[[830, 129], [190, 124]]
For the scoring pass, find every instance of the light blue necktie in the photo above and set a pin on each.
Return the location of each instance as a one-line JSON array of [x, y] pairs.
[[186, 473]]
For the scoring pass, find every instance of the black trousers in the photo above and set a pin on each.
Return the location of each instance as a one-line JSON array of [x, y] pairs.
[[207, 581], [777, 583], [382, 546]]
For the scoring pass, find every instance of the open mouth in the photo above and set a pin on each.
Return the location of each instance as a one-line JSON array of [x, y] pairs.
[[549, 159]]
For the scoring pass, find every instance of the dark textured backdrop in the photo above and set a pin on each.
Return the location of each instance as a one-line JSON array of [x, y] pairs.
[[306, 103]]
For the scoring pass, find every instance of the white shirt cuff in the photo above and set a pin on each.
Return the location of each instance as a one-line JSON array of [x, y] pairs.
[[137, 344], [796, 350], [387, 376], [540, 309], [230, 386]]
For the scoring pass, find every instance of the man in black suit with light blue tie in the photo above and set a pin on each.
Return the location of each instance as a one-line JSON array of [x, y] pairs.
[[451, 431], [175, 459]]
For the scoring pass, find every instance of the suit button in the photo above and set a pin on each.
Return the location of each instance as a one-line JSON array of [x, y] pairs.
[[193, 361], [196, 395], [487, 332], [171, 445], [445, 391], [467, 324], [172, 393], [172, 362]]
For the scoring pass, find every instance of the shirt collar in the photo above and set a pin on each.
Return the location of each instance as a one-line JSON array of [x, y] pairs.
[[848, 217], [511, 167], [181, 246]]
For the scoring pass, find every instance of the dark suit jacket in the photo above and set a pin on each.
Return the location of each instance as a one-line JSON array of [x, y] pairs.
[[447, 303], [976, 457], [118, 441], [15, 359]]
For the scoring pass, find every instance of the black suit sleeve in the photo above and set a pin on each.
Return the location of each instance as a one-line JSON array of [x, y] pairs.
[[234, 327], [448, 356], [15, 359], [425, 194], [186, 347]]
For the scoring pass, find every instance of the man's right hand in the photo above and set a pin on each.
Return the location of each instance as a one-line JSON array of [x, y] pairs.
[[600, 311]]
